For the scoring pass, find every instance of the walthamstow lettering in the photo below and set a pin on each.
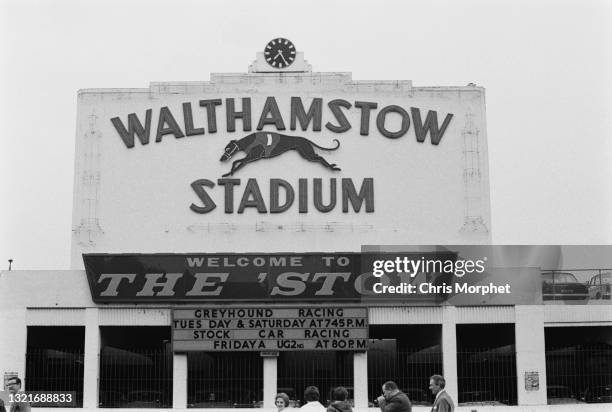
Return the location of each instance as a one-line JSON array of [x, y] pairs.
[[203, 119]]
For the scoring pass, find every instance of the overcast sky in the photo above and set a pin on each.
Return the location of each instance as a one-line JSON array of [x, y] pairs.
[[546, 67]]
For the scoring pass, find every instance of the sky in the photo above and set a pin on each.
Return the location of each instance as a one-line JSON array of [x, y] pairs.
[[546, 67]]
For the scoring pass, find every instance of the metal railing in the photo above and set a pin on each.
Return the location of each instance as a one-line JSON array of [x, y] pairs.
[[135, 378], [224, 380], [487, 376], [579, 373], [55, 370], [410, 368]]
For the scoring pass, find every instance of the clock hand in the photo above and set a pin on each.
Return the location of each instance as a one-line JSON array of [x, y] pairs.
[[282, 57]]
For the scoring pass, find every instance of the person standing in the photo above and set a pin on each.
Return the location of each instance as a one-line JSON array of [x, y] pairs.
[[14, 387], [393, 400], [443, 401], [339, 402], [311, 396]]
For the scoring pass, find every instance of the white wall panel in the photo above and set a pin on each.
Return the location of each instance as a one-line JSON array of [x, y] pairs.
[[55, 317], [134, 317], [405, 315], [138, 197], [577, 313], [485, 314]]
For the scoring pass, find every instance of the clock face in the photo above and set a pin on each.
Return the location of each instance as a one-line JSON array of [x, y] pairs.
[[280, 53]]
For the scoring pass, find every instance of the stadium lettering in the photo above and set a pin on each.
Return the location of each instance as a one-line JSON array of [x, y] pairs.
[[282, 195]]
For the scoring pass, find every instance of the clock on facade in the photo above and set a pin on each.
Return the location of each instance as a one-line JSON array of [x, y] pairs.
[[280, 53]]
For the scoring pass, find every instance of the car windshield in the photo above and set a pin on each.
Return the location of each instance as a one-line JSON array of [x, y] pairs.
[[602, 279], [559, 278]]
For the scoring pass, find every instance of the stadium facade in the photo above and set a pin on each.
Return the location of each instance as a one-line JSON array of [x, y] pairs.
[[223, 240]]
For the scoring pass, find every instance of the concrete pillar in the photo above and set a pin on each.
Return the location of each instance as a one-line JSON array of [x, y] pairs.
[[91, 370], [13, 343], [269, 380], [360, 377], [179, 381], [530, 354], [449, 351]]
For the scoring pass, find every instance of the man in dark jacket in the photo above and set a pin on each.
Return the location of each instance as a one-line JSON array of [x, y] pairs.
[[443, 401], [393, 400], [339, 403]]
